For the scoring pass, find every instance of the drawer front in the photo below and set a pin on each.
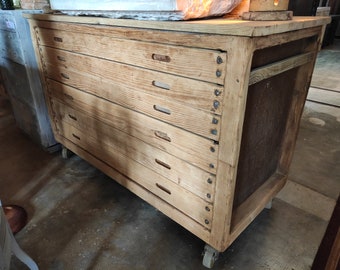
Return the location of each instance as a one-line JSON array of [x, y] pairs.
[[180, 172], [194, 149], [75, 69], [201, 64], [194, 120], [180, 198]]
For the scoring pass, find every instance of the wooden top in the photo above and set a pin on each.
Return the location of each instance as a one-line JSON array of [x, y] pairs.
[[219, 26]]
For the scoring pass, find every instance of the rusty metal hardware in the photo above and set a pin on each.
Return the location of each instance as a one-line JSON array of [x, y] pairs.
[[219, 60], [217, 92], [216, 104]]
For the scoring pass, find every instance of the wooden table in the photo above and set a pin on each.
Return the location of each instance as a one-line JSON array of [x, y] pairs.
[[198, 118]]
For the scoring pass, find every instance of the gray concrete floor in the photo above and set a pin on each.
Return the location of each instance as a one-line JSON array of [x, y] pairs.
[[81, 219]]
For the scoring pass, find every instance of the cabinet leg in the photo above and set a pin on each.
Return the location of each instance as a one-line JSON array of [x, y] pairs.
[[269, 204], [210, 255], [65, 153]]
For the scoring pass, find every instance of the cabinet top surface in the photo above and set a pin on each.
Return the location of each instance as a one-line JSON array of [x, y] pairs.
[[220, 26]]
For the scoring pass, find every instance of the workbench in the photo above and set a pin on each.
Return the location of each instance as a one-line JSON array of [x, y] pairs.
[[198, 118]]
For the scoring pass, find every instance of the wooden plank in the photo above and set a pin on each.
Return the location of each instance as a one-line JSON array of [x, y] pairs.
[[302, 82], [219, 26], [194, 149], [180, 172], [278, 39], [265, 5], [165, 189], [276, 68], [248, 211], [188, 62], [172, 212], [123, 78], [268, 15]]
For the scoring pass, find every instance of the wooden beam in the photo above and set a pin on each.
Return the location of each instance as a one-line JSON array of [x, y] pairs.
[[265, 72]]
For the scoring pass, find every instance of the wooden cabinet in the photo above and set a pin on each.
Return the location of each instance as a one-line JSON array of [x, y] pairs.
[[198, 118]]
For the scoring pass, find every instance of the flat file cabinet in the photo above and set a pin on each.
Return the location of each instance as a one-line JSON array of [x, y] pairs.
[[198, 118]]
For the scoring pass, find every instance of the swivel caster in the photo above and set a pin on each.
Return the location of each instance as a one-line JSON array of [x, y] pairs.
[[210, 255], [65, 153]]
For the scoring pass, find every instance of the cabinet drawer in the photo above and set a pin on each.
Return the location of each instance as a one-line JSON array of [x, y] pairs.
[[78, 70], [201, 64], [193, 120], [195, 149], [180, 198], [180, 172]]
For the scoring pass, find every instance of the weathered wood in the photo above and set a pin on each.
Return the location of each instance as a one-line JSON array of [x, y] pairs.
[[247, 211], [240, 58], [211, 169], [176, 141], [213, 26], [163, 109], [175, 60], [122, 79], [265, 72], [268, 5], [182, 173], [172, 212], [172, 193], [268, 15]]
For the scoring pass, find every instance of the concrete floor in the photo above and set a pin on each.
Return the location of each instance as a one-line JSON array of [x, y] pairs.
[[81, 219]]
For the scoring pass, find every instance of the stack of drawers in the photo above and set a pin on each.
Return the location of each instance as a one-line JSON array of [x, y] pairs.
[[198, 118], [150, 110]]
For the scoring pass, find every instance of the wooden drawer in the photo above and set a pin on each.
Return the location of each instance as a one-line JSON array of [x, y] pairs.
[[180, 172], [194, 149], [79, 70], [201, 64], [191, 119], [192, 205]]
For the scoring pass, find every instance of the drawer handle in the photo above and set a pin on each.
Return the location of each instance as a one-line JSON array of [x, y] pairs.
[[162, 135], [161, 109], [75, 136], [163, 164], [60, 58], [72, 117], [65, 76], [163, 188], [58, 39], [161, 85], [68, 96], [160, 57]]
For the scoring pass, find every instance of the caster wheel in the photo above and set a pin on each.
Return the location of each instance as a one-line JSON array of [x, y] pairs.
[[210, 256], [65, 153], [269, 205]]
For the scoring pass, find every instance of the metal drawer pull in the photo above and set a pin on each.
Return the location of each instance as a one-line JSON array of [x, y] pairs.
[[58, 39], [65, 76], [60, 58], [75, 136], [68, 96], [160, 57], [163, 188], [163, 164], [162, 135], [161, 85], [162, 109], [72, 117]]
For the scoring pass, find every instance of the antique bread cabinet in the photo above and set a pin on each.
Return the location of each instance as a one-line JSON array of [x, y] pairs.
[[198, 118]]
